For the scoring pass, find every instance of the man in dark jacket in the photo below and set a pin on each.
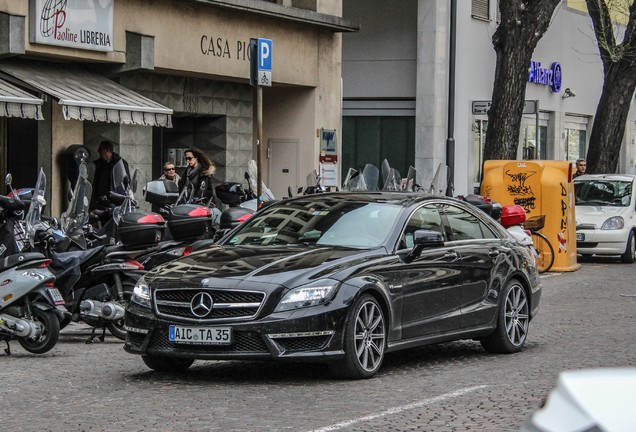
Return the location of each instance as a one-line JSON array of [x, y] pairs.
[[103, 178]]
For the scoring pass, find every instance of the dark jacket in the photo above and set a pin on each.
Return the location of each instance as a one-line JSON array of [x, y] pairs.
[[200, 181], [103, 178]]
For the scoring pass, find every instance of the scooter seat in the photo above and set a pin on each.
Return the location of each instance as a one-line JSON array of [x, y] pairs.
[[17, 259]]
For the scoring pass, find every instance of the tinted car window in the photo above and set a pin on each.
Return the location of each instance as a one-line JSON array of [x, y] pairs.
[[337, 223], [466, 226], [426, 217]]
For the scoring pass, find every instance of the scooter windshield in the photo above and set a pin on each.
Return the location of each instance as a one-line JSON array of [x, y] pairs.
[[34, 215], [76, 216]]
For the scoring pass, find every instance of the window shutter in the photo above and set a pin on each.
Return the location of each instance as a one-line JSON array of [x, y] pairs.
[[480, 9]]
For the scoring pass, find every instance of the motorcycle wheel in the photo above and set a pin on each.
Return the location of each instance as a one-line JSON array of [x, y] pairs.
[[49, 332], [116, 328]]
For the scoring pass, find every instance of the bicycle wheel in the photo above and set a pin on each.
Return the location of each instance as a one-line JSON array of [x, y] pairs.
[[545, 251]]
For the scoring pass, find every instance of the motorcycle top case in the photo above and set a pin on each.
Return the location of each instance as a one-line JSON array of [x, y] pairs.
[[230, 217], [162, 192], [141, 228], [189, 221]]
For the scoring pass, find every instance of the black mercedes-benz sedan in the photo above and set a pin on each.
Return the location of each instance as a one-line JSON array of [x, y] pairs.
[[341, 278]]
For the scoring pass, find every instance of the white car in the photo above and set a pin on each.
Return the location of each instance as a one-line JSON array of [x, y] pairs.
[[606, 215], [589, 400]]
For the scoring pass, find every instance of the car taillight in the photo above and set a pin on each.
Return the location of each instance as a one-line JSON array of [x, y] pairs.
[[244, 217]]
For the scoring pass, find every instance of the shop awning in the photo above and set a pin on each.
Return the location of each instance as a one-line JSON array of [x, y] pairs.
[[88, 96], [15, 102]]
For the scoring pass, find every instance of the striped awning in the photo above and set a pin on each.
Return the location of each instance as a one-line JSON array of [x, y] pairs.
[[89, 96], [15, 102]]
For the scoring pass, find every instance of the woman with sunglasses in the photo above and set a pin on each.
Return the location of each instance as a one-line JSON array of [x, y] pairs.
[[170, 173], [198, 175]]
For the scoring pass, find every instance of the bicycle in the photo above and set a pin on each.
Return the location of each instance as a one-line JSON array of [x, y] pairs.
[[545, 250]]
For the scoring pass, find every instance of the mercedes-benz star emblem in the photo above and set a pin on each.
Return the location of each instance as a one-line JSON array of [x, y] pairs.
[[201, 304]]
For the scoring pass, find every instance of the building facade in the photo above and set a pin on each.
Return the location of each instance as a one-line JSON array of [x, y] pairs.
[[156, 77], [396, 87]]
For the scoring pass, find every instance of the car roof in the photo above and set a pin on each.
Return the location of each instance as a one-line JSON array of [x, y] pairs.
[[619, 177], [403, 199]]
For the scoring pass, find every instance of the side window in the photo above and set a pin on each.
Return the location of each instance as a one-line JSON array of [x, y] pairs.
[[465, 226], [426, 217]]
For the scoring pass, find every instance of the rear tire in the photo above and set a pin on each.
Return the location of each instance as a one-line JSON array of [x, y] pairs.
[[364, 340], [629, 255], [49, 332], [513, 320], [167, 364]]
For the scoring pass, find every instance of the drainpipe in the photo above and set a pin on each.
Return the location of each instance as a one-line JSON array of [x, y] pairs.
[[450, 141]]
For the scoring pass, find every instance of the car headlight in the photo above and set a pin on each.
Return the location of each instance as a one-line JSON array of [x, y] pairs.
[[613, 223], [141, 293], [313, 294]]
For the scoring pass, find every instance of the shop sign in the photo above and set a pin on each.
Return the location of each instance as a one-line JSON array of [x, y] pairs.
[[84, 24], [551, 76], [328, 150]]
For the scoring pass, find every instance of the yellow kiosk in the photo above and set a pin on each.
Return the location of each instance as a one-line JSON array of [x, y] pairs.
[[545, 190]]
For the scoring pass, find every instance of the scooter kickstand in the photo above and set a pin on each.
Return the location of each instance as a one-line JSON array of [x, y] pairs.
[[93, 337], [7, 350]]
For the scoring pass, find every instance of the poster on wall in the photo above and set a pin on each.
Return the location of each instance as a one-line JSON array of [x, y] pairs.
[[328, 147], [83, 24], [329, 174]]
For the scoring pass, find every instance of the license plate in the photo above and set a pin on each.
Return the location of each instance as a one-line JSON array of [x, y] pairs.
[[200, 335], [580, 237], [56, 296]]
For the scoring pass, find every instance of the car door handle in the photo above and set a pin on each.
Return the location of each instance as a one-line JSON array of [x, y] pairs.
[[450, 256], [492, 253]]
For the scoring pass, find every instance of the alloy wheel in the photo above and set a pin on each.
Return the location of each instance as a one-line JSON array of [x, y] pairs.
[[369, 336], [517, 317]]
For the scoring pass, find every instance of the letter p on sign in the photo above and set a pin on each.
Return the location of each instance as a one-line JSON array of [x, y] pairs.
[[264, 51]]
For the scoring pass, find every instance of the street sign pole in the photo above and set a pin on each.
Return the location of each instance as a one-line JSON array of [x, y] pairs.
[[260, 75]]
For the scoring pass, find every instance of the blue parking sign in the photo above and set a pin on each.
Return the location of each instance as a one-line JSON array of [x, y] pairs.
[[264, 54]]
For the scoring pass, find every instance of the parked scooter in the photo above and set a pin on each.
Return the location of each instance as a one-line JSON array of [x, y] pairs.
[[95, 283], [512, 218], [30, 306]]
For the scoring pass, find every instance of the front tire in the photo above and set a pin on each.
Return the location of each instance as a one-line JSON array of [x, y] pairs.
[[513, 320], [49, 332], [167, 364], [629, 255], [364, 340]]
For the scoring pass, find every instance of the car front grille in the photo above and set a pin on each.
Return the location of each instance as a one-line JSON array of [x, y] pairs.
[[586, 244], [227, 304], [242, 342]]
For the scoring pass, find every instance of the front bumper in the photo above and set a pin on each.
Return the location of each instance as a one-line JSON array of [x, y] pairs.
[[313, 333], [602, 242]]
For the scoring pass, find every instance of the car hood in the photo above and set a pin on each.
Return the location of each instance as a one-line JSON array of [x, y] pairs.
[[596, 215], [288, 266]]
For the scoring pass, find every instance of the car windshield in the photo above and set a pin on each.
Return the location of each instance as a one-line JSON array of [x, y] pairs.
[[603, 192], [328, 222]]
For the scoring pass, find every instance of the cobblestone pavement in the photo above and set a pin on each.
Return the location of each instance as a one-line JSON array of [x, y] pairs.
[[587, 319]]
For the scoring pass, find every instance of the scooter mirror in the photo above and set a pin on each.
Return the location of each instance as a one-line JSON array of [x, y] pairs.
[[8, 179], [41, 200]]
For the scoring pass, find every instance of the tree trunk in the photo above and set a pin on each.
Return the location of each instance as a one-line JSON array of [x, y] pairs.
[[619, 70], [610, 120], [522, 25]]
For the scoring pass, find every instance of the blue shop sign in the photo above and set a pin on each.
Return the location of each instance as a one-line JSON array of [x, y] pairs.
[[546, 76]]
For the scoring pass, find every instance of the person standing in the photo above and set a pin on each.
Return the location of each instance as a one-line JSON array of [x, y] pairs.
[[170, 173], [103, 177], [197, 175], [581, 166]]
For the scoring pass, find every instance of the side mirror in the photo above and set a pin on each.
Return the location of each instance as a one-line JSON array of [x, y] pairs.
[[8, 179], [424, 239], [428, 239]]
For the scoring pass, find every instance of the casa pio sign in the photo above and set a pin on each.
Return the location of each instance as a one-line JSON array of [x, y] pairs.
[[551, 76], [84, 24]]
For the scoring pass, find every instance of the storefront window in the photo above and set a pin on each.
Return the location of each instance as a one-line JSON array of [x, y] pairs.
[[375, 138], [531, 147], [479, 138], [575, 144]]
